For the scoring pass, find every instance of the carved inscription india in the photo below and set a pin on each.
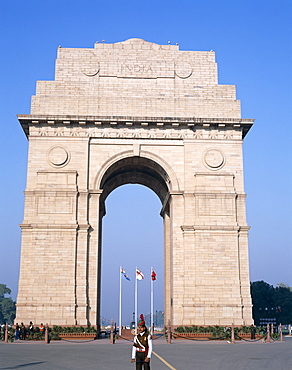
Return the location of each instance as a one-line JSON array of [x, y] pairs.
[[141, 69], [136, 68], [144, 69]]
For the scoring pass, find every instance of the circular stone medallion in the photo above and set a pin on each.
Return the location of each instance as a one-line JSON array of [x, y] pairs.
[[58, 156], [214, 159], [183, 69], [91, 70]]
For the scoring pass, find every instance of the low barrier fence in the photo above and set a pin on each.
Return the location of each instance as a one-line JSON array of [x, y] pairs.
[[231, 334]]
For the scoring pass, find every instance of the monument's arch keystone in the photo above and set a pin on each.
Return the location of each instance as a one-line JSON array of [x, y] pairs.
[[135, 112]]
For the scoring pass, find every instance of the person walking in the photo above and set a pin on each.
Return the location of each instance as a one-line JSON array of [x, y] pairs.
[[142, 347], [16, 332], [252, 332], [42, 329], [3, 330], [22, 331], [30, 330]]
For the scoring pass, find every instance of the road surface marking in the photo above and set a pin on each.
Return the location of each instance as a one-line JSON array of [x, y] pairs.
[[165, 362]]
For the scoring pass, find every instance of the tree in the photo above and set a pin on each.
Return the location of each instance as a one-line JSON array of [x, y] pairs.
[[270, 302], [7, 305], [4, 290], [283, 285], [283, 301]]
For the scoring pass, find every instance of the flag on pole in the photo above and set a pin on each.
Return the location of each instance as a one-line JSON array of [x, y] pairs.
[[125, 275], [122, 272], [153, 277], [139, 274]]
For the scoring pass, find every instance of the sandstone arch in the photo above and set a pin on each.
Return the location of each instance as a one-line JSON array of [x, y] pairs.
[[130, 112]]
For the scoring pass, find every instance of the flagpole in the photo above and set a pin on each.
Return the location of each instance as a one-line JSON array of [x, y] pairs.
[[120, 306], [151, 303], [136, 299]]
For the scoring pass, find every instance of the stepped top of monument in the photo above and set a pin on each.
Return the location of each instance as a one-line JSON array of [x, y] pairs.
[[136, 78], [135, 44]]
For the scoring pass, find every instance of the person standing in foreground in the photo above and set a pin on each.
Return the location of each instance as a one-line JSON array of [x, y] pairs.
[[142, 347]]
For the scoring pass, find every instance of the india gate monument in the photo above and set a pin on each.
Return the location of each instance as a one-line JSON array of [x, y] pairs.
[[135, 112]]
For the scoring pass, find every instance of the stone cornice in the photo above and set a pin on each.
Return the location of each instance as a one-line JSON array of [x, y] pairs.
[[27, 120], [212, 305], [64, 227], [217, 228]]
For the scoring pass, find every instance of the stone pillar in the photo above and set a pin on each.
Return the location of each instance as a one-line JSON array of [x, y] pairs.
[[167, 269], [82, 276], [189, 279], [47, 277], [94, 260], [177, 216], [244, 276]]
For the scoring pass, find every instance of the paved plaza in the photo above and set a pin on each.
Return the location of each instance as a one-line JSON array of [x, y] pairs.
[[179, 355]]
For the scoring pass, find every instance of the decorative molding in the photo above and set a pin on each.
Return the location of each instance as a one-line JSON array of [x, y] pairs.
[[132, 132], [187, 228], [65, 227], [84, 227], [216, 228], [227, 128]]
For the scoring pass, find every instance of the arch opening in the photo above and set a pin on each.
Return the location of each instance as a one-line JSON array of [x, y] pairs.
[[132, 236], [133, 173], [136, 170]]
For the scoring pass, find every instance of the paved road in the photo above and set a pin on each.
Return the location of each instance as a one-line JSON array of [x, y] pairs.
[[179, 355]]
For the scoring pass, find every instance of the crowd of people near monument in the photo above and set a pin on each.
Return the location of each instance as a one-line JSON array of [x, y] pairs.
[[22, 332]]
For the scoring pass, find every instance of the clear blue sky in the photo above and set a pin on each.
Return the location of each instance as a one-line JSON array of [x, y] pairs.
[[252, 41]]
